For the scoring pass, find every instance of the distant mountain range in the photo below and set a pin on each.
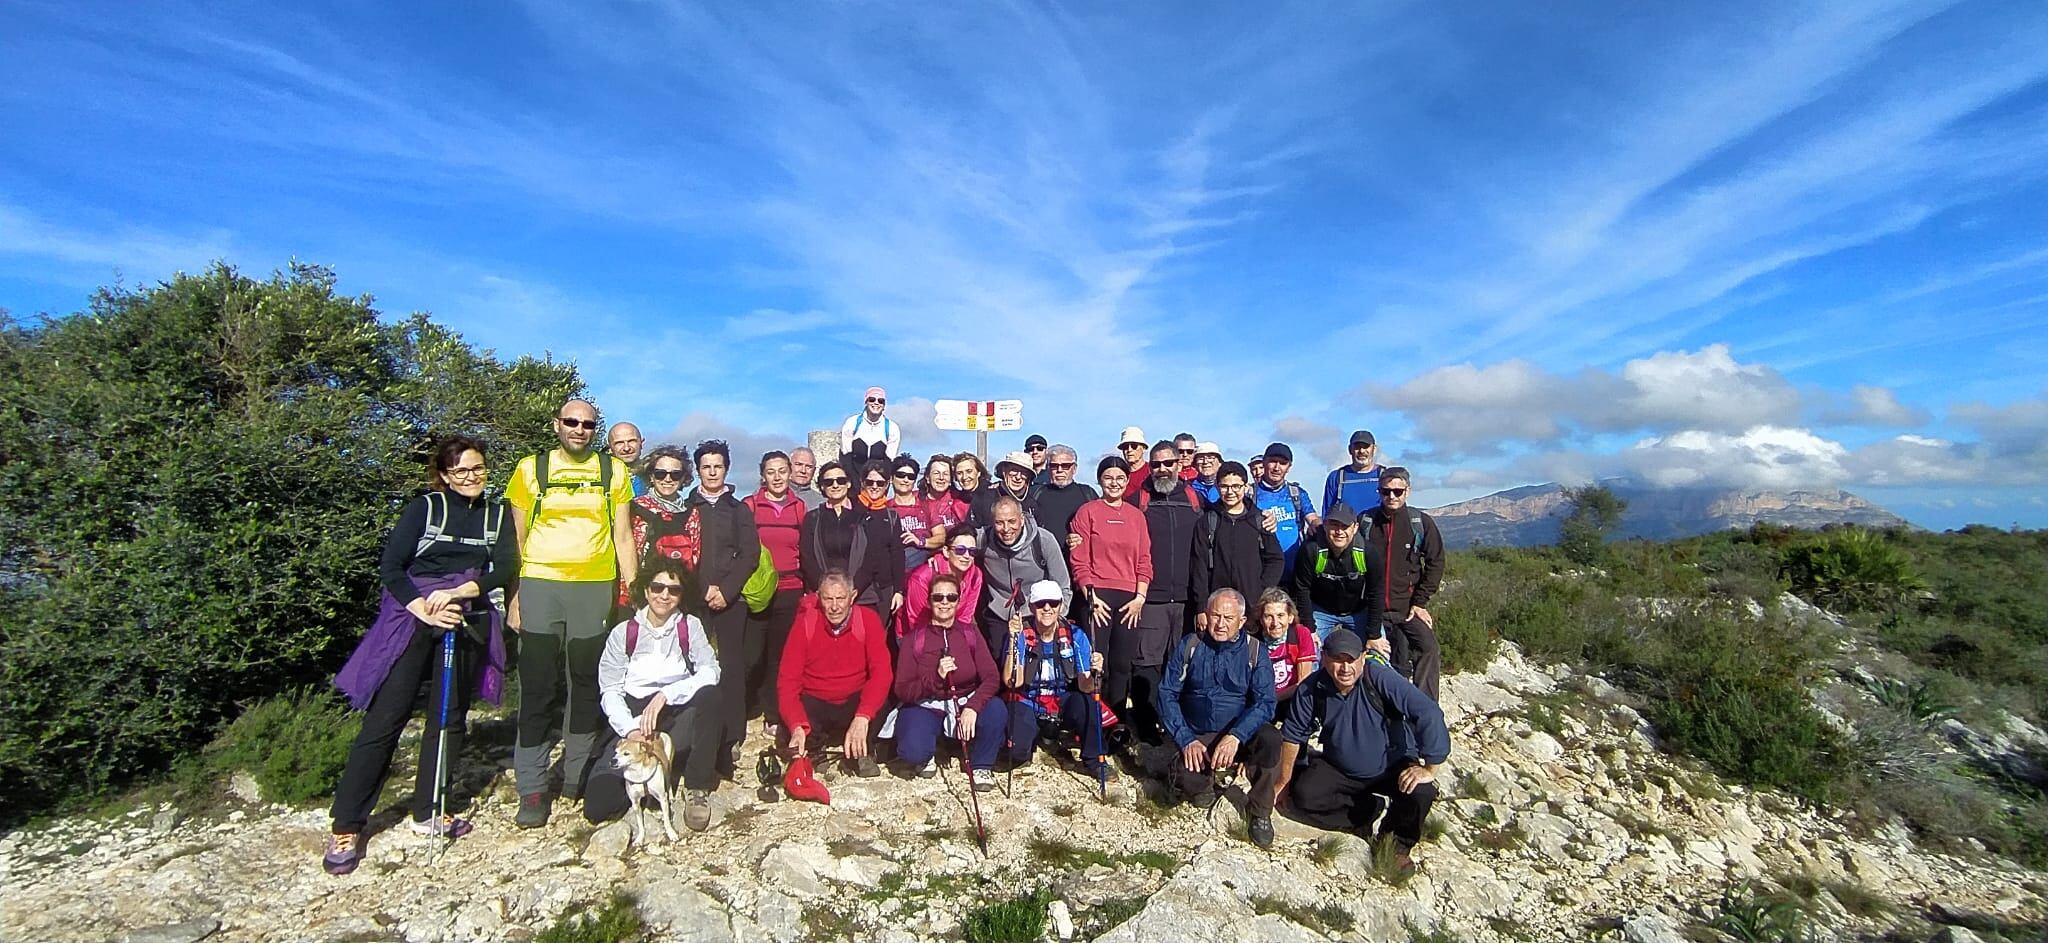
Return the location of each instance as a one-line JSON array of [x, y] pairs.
[[1528, 516]]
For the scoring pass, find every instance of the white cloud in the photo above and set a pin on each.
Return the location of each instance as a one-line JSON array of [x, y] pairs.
[[1869, 406], [1770, 457], [137, 251], [1322, 443]]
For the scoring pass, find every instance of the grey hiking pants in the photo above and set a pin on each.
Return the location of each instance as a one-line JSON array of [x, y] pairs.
[[562, 634]]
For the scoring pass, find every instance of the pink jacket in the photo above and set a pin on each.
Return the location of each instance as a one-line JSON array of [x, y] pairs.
[[919, 585]]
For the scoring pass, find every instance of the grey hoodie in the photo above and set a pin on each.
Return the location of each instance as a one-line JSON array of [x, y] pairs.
[[1035, 556]]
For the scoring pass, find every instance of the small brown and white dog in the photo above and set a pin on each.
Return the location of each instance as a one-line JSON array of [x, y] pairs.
[[646, 769]]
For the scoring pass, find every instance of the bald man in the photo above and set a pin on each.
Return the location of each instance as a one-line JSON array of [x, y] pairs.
[[625, 442]]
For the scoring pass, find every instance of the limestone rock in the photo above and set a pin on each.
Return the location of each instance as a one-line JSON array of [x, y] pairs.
[[186, 931], [1651, 928]]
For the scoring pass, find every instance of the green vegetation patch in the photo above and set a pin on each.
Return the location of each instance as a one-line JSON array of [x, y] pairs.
[[1017, 920], [1323, 917], [618, 921], [295, 746]]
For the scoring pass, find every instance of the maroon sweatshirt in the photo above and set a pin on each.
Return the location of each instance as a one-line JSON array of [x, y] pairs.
[[917, 666]]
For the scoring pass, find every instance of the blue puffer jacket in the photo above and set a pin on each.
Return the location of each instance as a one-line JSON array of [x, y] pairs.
[[1211, 687]]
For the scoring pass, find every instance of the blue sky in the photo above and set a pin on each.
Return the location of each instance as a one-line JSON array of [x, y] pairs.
[[1754, 244]]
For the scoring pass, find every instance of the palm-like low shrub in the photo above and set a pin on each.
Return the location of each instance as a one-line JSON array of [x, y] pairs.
[[1852, 568]]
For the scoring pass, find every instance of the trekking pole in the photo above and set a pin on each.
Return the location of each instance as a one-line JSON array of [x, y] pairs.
[[1010, 779], [1101, 757], [442, 776], [966, 750]]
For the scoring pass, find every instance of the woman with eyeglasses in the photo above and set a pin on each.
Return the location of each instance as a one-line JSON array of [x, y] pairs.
[[660, 518], [451, 548], [842, 535], [868, 435], [947, 681], [1112, 565], [959, 559], [916, 530]]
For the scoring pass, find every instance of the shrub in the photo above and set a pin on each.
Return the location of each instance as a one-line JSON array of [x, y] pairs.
[[618, 921], [1752, 916], [1595, 512], [295, 745], [1018, 920], [197, 479], [1851, 568]]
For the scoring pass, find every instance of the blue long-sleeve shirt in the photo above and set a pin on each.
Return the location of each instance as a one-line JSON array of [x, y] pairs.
[[1050, 663], [1359, 736], [1360, 489], [1289, 517], [1216, 687]]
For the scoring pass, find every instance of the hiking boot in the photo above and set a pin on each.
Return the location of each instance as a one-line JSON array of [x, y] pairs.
[[697, 810], [446, 826], [1397, 851], [533, 810], [1102, 770], [929, 769], [1260, 828], [984, 779], [344, 851], [866, 767]]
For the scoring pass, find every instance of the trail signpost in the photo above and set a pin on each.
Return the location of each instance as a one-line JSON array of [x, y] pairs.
[[979, 416]]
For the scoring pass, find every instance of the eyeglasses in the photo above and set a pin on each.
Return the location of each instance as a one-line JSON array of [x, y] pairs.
[[664, 589], [1185, 451], [1046, 604], [1230, 487], [1394, 492], [835, 482], [666, 474], [945, 597], [1059, 466], [577, 423], [466, 474], [877, 401]]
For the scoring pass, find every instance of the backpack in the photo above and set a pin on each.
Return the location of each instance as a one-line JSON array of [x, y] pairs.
[[1064, 653], [436, 530], [682, 639], [1323, 559], [860, 634], [1187, 654], [540, 476], [1302, 507], [760, 588]]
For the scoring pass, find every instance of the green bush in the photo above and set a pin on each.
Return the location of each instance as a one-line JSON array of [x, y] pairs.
[[1018, 920], [1851, 568], [195, 479], [618, 921], [295, 746]]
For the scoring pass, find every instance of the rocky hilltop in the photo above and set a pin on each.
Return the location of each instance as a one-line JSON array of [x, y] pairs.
[[1562, 819], [1529, 516]]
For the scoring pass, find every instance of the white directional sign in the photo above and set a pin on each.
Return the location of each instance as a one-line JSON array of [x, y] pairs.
[[979, 415]]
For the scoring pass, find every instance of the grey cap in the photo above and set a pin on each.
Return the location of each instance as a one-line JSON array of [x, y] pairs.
[[1343, 643], [1342, 515]]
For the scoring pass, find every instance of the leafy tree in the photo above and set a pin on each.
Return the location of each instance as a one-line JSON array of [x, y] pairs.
[[1596, 512], [195, 479]]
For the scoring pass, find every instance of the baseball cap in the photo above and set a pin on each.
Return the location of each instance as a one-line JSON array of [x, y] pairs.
[[1133, 434], [1342, 515], [1034, 439], [1044, 591], [1343, 643], [1020, 459], [1362, 437], [1209, 448], [1280, 451]]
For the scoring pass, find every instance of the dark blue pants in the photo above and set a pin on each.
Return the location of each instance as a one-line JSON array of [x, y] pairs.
[[918, 730]]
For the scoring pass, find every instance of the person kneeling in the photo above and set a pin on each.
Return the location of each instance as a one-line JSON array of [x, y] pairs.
[[947, 683], [658, 675], [1050, 675], [834, 675], [1215, 700], [1366, 759]]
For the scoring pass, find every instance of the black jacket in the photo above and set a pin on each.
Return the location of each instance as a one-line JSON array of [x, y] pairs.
[[981, 509], [1056, 507], [459, 549], [731, 547], [1173, 519], [1413, 572], [874, 563], [1342, 588], [1233, 553]]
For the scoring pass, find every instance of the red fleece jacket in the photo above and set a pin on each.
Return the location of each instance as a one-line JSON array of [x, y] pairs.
[[832, 667]]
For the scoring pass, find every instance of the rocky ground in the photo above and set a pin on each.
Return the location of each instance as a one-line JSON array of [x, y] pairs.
[[1563, 820]]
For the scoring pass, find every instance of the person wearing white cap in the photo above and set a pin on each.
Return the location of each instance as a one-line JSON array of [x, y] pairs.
[[1051, 672], [1132, 447], [1208, 463], [868, 435], [1013, 481]]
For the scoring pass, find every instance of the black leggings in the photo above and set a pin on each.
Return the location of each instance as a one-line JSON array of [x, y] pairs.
[[772, 628], [369, 758], [739, 651]]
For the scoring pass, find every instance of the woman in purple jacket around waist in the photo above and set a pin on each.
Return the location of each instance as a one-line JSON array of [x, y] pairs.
[[451, 548]]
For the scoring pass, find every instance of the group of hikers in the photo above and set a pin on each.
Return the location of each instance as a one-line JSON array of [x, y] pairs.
[[877, 610]]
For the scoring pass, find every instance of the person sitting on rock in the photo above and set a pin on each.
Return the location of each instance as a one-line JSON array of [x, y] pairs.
[[946, 681], [1215, 700], [835, 675], [658, 675], [1050, 675], [1383, 741]]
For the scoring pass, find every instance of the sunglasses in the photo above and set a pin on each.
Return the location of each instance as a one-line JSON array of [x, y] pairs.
[[1185, 451], [1062, 466], [664, 589], [905, 475], [1046, 604], [1165, 463], [877, 401], [577, 423], [1396, 492], [666, 474], [835, 482], [875, 482], [945, 597], [967, 549], [1034, 448]]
